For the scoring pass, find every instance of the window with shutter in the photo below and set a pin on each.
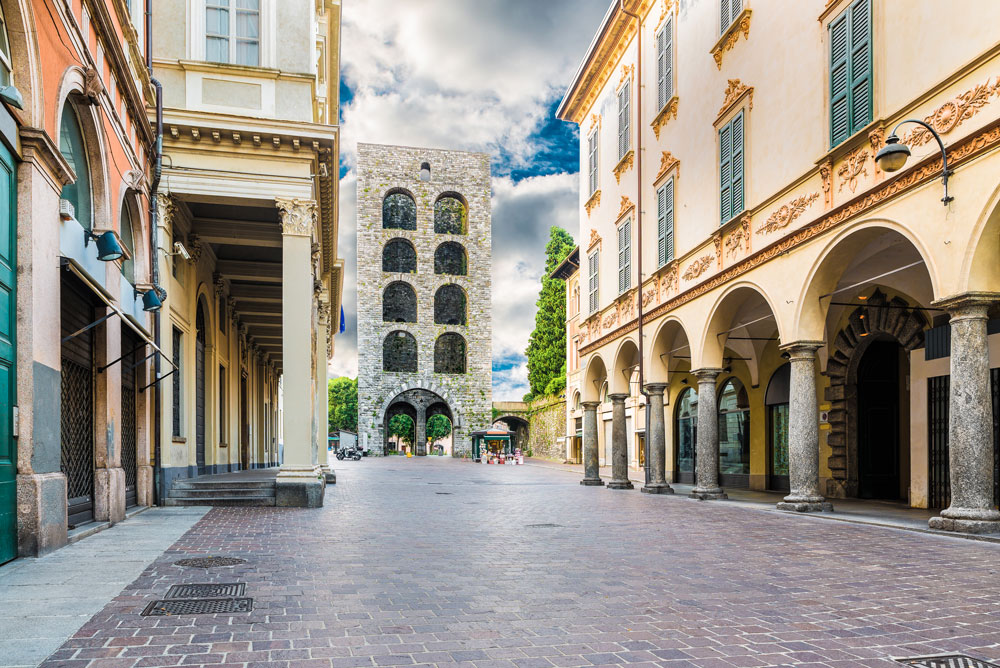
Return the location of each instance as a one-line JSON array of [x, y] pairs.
[[625, 256], [593, 283], [731, 168], [664, 64], [850, 71], [729, 10], [665, 222], [592, 161], [623, 121]]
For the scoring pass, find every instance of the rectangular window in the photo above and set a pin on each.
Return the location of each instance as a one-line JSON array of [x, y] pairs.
[[232, 31], [665, 64], [222, 404], [665, 222], [729, 10], [592, 160], [623, 120], [731, 167], [223, 316], [850, 71], [175, 352], [594, 269], [625, 256]]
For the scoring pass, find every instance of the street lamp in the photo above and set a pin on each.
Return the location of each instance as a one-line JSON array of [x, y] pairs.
[[893, 155]]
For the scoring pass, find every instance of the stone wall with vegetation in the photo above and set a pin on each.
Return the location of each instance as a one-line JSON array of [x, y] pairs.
[[547, 427]]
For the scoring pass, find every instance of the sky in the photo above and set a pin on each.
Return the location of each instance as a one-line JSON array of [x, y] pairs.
[[475, 75]]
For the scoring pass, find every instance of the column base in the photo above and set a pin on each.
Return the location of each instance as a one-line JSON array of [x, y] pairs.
[[657, 488], [329, 474], [806, 506], [708, 494], [299, 487], [620, 484], [967, 520], [592, 482]]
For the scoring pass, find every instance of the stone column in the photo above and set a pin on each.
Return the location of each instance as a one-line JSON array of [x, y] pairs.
[[323, 395], [657, 441], [619, 444], [970, 429], [591, 462], [299, 481], [420, 431], [803, 431], [707, 449]]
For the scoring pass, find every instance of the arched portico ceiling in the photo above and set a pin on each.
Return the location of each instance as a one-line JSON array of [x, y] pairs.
[[852, 266], [742, 325], [626, 363], [669, 352], [594, 376], [979, 267]]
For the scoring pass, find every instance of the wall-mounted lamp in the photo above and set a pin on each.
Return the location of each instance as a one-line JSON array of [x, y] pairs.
[[152, 299], [893, 155], [108, 248]]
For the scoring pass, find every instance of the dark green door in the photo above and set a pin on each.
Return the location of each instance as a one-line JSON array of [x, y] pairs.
[[8, 384]]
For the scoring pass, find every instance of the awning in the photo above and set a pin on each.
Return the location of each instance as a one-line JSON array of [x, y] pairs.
[[103, 295]]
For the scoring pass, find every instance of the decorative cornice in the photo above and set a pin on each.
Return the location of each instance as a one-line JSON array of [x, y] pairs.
[[667, 163], [627, 206], [731, 36], [595, 239], [927, 170], [627, 71], [37, 146], [593, 202], [698, 267], [954, 112], [734, 94], [787, 213], [669, 111], [624, 165], [298, 216], [854, 165]]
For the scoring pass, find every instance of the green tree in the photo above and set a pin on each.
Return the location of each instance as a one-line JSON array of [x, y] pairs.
[[547, 345], [343, 404], [401, 426], [438, 426]]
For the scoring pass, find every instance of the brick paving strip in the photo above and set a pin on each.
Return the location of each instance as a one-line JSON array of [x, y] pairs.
[[438, 562]]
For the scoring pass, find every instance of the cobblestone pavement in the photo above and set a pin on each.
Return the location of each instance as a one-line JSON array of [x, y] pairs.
[[438, 562]]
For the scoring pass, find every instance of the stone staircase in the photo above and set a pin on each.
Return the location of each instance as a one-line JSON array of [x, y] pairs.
[[221, 491]]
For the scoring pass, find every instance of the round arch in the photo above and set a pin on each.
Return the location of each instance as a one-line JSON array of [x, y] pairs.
[[979, 266], [670, 349], [399, 210], [399, 302], [418, 384], [131, 230], [451, 258], [399, 256], [594, 375], [626, 360], [26, 76], [450, 305], [743, 319], [451, 214]]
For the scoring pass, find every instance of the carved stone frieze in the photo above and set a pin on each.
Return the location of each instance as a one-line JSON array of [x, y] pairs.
[[853, 167], [717, 241], [876, 139], [826, 174], [698, 267], [739, 237], [787, 213], [954, 112], [298, 216]]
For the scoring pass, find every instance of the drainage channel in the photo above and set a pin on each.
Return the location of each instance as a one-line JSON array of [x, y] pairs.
[[201, 599]]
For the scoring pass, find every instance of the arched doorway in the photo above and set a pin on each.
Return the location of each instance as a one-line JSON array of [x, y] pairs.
[[518, 426], [776, 400], [405, 423], [878, 437], [734, 435], [687, 435], [199, 392]]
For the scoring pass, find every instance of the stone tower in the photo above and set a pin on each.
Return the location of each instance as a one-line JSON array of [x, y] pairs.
[[424, 305]]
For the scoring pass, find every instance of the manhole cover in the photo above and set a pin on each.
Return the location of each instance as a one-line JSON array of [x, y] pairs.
[[543, 526], [210, 562], [197, 606], [947, 661], [230, 589]]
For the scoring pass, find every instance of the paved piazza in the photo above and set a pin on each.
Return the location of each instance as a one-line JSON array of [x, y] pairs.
[[438, 562]]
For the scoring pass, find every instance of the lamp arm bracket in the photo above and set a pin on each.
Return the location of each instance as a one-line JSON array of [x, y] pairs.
[[945, 172]]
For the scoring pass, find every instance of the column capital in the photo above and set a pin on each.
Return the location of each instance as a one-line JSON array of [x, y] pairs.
[[590, 405], [656, 388], [298, 216], [166, 207], [968, 304], [802, 350], [707, 375], [618, 397]]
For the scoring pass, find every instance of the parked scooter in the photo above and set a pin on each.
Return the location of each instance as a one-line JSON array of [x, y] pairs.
[[353, 452]]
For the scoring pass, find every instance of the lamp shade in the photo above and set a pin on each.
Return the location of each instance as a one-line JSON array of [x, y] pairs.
[[151, 301], [108, 248], [893, 155]]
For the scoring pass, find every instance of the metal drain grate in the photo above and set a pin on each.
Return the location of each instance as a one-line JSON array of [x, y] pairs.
[[210, 562], [218, 590], [198, 606], [947, 661]]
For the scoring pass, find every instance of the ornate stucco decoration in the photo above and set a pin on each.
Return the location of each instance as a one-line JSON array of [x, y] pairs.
[[624, 165], [610, 320], [669, 111], [739, 237], [197, 246], [669, 281], [298, 216], [593, 202], [954, 112], [876, 139], [826, 174], [595, 120], [787, 213], [717, 241], [854, 166], [626, 73], [649, 296], [595, 239], [731, 36], [667, 7], [667, 163], [626, 207], [735, 92], [698, 267]]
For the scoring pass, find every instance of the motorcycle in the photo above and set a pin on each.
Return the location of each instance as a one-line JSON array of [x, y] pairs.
[[352, 452]]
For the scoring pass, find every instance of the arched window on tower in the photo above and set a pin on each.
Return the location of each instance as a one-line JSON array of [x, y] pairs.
[[399, 303], [399, 257], [449, 305], [449, 353], [450, 215], [399, 211], [399, 352], [450, 258]]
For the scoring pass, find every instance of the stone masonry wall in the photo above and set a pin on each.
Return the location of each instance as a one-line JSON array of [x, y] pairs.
[[547, 424], [386, 169]]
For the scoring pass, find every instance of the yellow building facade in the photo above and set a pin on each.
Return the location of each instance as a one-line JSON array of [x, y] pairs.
[[815, 324]]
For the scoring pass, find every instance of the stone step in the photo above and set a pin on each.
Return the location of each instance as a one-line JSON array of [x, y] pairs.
[[189, 493], [220, 501], [222, 484]]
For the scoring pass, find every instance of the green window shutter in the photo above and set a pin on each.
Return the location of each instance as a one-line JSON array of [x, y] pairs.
[[665, 223], [840, 126], [737, 125], [850, 71], [593, 161], [861, 64], [726, 172], [664, 65], [621, 259], [623, 120], [628, 254], [594, 282], [669, 223]]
